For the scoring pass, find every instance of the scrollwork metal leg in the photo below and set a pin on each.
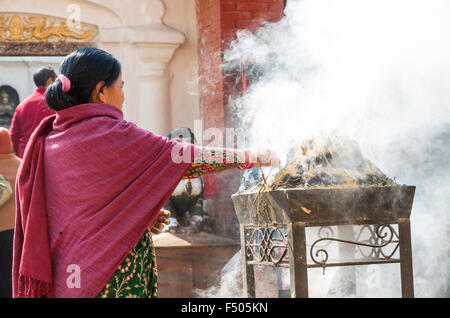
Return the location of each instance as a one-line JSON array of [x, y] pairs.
[[248, 274], [297, 260], [406, 268]]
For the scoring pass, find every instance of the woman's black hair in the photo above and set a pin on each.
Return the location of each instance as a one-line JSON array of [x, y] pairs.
[[84, 68]]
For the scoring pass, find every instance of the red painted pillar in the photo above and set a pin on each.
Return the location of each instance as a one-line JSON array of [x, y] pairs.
[[218, 23]]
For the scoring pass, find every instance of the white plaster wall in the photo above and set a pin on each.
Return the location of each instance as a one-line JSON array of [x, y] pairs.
[[17, 72], [183, 69], [93, 13], [156, 42]]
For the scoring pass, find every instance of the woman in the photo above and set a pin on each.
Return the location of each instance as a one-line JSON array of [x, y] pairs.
[[90, 187], [9, 163]]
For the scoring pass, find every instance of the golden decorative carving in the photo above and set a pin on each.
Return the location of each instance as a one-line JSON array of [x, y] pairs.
[[17, 28]]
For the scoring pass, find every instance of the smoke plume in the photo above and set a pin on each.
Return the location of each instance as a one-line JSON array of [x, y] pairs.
[[376, 71]]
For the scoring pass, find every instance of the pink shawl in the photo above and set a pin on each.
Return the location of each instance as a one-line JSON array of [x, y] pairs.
[[89, 186]]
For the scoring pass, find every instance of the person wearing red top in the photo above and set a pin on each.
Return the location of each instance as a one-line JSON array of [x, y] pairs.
[[31, 111]]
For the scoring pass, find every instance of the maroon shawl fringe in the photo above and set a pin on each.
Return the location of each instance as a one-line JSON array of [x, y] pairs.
[[29, 287]]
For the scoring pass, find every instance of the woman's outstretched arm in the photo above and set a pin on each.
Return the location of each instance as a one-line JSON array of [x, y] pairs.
[[213, 160]]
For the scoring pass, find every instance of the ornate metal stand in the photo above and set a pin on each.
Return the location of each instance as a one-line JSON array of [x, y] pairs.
[[270, 246], [275, 235]]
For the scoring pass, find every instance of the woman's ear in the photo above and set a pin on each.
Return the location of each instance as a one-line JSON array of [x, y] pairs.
[[99, 95]]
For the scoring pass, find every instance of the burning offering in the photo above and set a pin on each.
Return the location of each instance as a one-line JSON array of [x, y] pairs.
[[325, 179], [336, 161]]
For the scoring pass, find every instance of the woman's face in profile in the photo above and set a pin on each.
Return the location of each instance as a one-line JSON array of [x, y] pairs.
[[113, 95]]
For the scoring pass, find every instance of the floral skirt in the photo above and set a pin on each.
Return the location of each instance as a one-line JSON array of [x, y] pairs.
[[137, 275]]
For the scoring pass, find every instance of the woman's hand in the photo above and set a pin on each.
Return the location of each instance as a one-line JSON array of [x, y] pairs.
[[267, 158], [158, 224]]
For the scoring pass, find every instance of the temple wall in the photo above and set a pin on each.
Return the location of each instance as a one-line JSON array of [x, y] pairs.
[[145, 35]]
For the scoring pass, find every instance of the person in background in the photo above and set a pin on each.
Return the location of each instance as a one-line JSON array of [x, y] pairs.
[[31, 111], [9, 164]]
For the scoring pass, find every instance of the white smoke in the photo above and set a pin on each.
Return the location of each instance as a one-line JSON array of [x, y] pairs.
[[230, 283], [377, 71]]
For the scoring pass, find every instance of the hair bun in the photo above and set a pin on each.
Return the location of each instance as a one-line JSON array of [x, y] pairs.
[[65, 81]]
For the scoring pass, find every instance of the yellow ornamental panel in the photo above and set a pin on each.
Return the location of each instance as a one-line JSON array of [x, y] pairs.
[[39, 28]]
